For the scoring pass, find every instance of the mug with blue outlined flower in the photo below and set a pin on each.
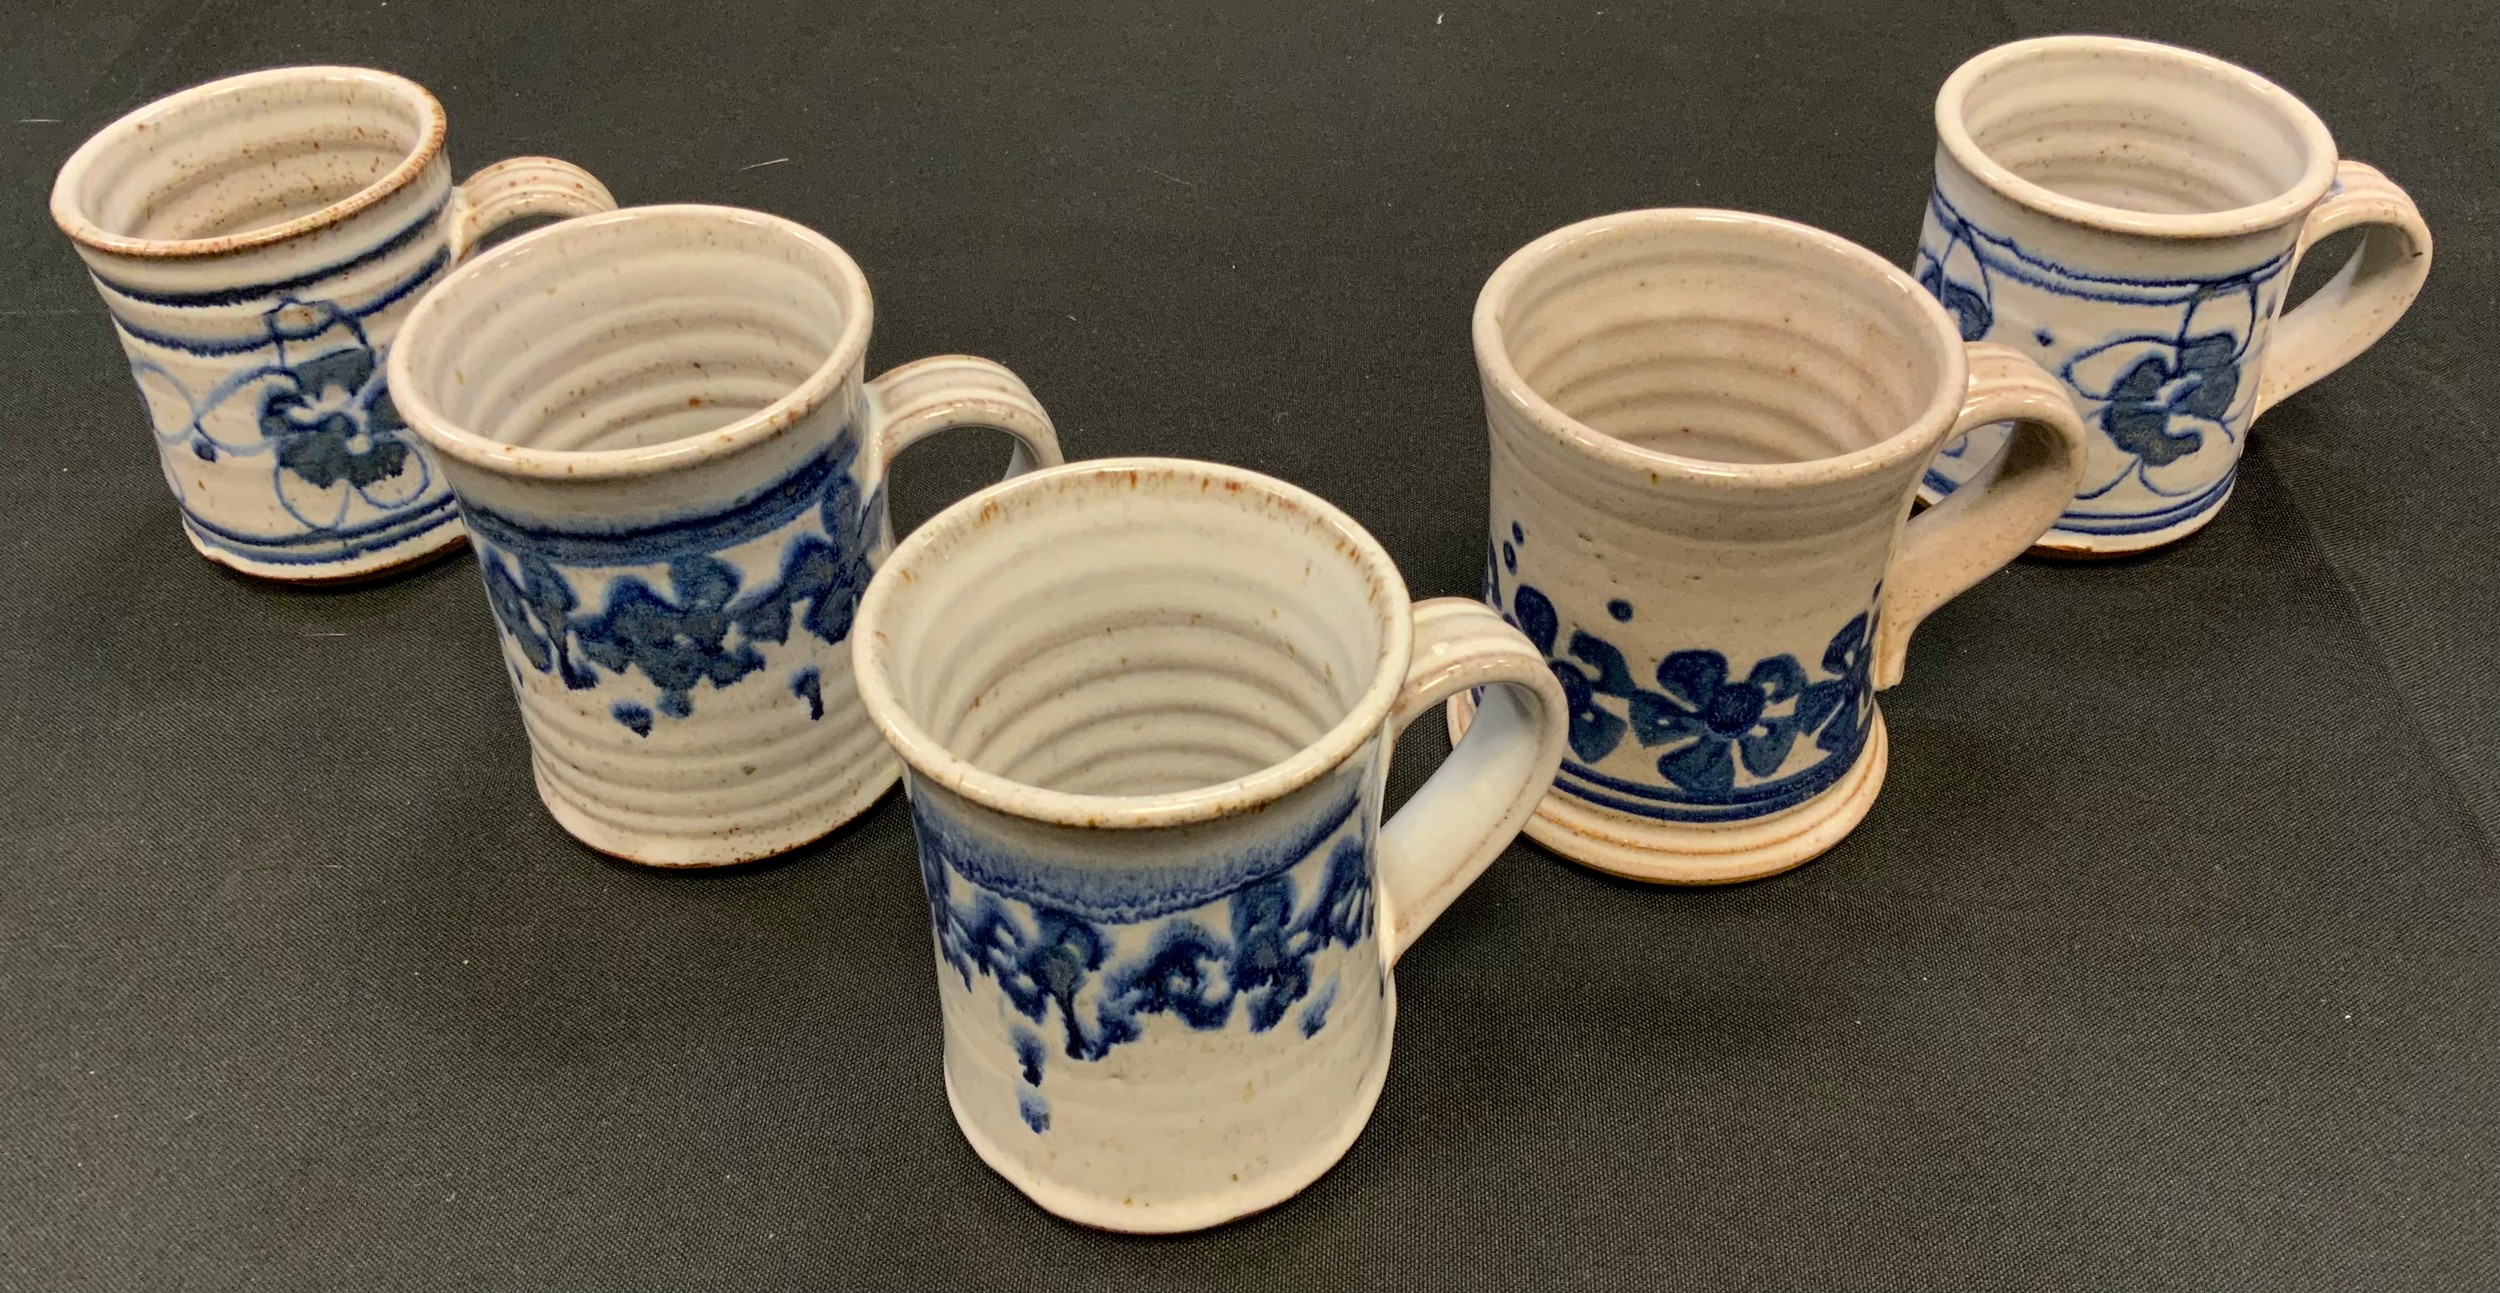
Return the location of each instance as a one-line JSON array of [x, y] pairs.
[[2130, 215], [257, 241]]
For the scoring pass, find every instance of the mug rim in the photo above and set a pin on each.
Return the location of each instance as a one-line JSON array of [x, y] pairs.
[[82, 229], [2317, 174], [872, 670], [417, 408], [1915, 437]]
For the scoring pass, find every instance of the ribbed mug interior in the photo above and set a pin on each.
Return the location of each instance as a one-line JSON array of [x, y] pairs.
[[1132, 634], [1715, 340], [2147, 131], [624, 334], [234, 158]]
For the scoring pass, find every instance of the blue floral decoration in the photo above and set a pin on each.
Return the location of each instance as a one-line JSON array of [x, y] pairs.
[[332, 421], [1055, 967], [1706, 721], [323, 413], [706, 626]]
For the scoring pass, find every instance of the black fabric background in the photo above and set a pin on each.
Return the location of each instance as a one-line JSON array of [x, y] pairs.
[[2166, 961]]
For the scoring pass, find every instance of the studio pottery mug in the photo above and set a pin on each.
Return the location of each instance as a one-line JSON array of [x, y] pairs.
[[1706, 429], [258, 241], [2130, 215], [1147, 708], [672, 470]]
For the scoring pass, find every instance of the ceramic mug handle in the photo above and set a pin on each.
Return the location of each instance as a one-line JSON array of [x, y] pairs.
[[1995, 515], [956, 392], [1474, 804], [516, 187], [2365, 298]]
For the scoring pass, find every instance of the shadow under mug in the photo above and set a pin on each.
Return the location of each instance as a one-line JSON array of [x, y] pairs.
[[258, 241], [1706, 429], [2130, 215], [1147, 707], [671, 463]]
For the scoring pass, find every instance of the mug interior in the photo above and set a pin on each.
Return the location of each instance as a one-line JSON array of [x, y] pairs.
[[1715, 337], [249, 154], [2136, 126], [1132, 629], [630, 331]]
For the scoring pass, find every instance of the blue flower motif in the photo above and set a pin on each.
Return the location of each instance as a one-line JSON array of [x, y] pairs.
[[2162, 398], [1715, 718], [2161, 408], [1049, 962], [332, 420], [701, 629]]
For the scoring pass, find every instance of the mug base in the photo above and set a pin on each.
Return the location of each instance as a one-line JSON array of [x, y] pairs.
[[1693, 853], [730, 847], [2078, 545], [363, 568], [1132, 1216]]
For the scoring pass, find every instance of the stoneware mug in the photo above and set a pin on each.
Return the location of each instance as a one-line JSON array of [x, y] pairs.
[[258, 241], [672, 469], [2130, 215], [1706, 429], [1147, 708]]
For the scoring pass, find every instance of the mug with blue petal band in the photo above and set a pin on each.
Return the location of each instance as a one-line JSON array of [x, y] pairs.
[[258, 241], [1147, 708], [672, 465], [2130, 215], [1706, 430]]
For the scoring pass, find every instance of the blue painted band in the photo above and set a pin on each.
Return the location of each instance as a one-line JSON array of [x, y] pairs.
[[218, 347], [321, 547], [1126, 895], [752, 517], [2007, 257], [1662, 803], [251, 292], [2114, 523]]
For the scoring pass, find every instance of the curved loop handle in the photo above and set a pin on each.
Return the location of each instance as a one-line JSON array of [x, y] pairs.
[[952, 392], [517, 187], [1982, 526], [2365, 298], [1475, 803]]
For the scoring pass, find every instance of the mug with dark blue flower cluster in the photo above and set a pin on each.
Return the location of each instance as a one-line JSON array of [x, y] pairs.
[[258, 240], [672, 468], [1706, 430], [2130, 215]]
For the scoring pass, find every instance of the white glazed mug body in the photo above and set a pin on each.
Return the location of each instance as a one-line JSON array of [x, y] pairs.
[[1706, 428], [1147, 707], [258, 241], [2130, 215], [658, 425]]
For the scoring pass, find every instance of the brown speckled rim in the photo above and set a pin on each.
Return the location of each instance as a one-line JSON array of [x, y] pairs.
[[2317, 169], [873, 666], [68, 213]]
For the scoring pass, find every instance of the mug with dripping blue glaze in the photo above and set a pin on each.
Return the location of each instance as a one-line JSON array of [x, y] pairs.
[[258, 241], [2130, 215], [671, 465], [1146, 708], [1706, 429]]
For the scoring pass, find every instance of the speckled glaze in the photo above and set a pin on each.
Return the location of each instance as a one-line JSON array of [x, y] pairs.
[[1706, 430], [2131, 216], [258, 241], [672, 466], [1147, 708]]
